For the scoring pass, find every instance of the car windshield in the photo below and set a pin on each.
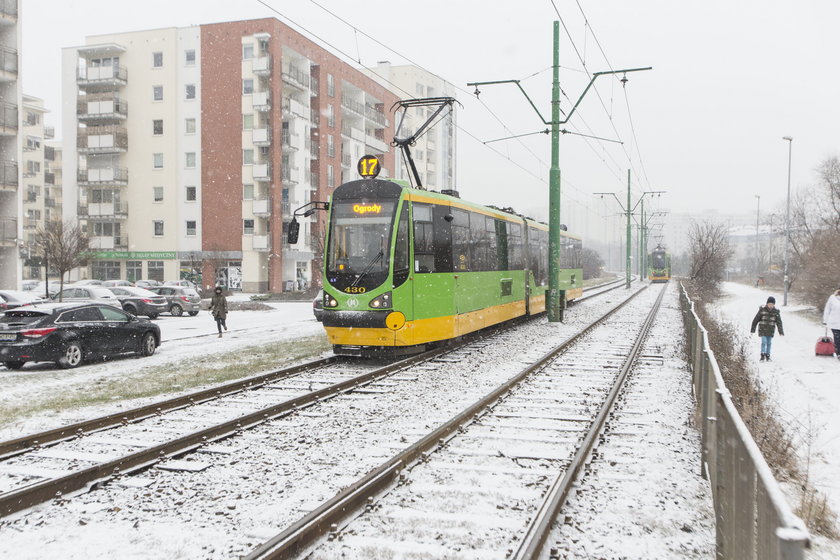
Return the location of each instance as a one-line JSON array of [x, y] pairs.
[[360, 235]]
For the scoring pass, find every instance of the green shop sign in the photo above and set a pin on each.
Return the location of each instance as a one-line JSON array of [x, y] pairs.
[[134, 255]]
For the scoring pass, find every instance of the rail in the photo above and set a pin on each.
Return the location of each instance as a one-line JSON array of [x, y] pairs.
[[753, 519]]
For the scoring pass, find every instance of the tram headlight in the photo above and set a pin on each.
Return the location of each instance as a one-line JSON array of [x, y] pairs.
[[382, 301], [329, 301]]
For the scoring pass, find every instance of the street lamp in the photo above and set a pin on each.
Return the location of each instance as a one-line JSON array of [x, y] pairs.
[[757, 215], [787, 217]]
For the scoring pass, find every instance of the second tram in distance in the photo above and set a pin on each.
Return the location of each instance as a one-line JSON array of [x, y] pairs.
[[405, 268]]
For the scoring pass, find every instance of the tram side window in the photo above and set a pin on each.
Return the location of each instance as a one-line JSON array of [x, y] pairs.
[[460, 240], [478, 243], [577, 249], [534, 253], [491, 256], [514, 238], [401, 249], [424, 246], [502, 248]]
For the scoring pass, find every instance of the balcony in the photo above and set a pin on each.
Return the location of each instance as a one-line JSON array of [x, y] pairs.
[[261, 172], [104, 209], [261, 136], [8, 232], [354, 133], [260, 207], [259, 242], [9, 123], [294, 77], [262, 66], [105, 108], [101, 78], [376, 143], [291, 141], [376, 116], [9, 176], [291, 175], [102, 139], [103, 176], [345, 160], [8, 64], [353, 105], [261, 101], [8, 11], [119, 242]]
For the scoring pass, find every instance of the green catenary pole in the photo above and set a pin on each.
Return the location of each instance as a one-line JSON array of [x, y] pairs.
[[629, 244], [555, 312], [642, 271]]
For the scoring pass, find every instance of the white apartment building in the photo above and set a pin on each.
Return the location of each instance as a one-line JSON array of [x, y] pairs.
[[10, 150], [434, 152]]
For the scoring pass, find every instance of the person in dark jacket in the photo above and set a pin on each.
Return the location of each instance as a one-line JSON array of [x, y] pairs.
[[219, 309], [767, 319]]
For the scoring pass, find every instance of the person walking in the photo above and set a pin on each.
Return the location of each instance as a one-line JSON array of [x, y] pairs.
[[831, 319], [767, 319], [219, 309]]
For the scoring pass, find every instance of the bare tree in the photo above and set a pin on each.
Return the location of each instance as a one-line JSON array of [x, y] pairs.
[[64, 246], [710, 253], [591, 263]]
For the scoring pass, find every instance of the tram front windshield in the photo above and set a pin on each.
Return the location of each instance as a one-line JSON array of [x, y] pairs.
[[358, 256], [659, 260]]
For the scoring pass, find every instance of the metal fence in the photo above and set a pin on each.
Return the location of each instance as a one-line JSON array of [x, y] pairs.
[[752, 517]]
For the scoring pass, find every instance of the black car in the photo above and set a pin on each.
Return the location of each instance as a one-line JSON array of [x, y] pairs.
[[318, 306], [68, 333], [139, 301]]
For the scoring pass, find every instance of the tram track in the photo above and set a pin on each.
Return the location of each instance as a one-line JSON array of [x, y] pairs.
[[50, 464], [500, 436]]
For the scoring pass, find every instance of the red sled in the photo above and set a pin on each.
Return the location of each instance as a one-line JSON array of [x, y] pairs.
[[825, 346]]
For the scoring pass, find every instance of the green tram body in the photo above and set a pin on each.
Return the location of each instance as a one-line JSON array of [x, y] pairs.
[[406, 268], [659, 269]]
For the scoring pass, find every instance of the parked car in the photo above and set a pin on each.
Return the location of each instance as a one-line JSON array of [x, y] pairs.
[[42, 288], [318, 306], [29, 285], [179, 299], [147, 284], [112, 283], [139, 301], [87, 294], [88, 282], [182, 283], [12, 299], [69, 333]]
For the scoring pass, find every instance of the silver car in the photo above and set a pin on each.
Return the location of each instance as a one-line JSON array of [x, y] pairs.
[[87, 294], [180, 299]]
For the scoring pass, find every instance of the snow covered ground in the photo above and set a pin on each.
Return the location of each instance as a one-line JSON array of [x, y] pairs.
[[805, 387]]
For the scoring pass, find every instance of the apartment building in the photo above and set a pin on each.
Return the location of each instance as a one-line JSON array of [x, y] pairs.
[[195, 145], [434, 151], [10, 151]]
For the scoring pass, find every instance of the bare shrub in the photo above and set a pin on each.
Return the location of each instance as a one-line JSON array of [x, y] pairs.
[[710, 250], [759, 413]]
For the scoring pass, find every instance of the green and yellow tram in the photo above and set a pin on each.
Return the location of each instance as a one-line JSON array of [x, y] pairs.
[[659, 267], [405, 268]]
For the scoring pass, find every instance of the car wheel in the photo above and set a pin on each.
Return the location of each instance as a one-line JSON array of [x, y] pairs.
[[148, 344], [193, 313], [176, 310], [13, 365], [72, 355], [130, 309], [153, 316]]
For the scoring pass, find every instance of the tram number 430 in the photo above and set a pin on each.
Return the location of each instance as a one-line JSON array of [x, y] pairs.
[[355, 290], [368, 166]]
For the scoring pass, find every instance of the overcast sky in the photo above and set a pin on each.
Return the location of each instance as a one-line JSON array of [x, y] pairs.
[[729, 80]]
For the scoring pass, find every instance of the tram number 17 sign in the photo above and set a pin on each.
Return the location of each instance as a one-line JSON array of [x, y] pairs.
[[368, 167]]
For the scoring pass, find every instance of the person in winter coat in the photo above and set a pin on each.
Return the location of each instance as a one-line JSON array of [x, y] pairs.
[[767, 319], [219, 309], [831, 319]]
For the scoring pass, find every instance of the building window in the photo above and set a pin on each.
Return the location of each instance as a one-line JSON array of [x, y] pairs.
[[190, 159], [155, 269], [247, 122], [189, 126], [157, 93], [189, 57], [190, 91], [248, 227], [158, 193], [157, 59], [133, 270], [330, 146], [419, 89], [158, 227], [330, 115], [248, 192], [158, 161], [247, 157], [157, 127], [247, 52], [105, 270], [330, 176], [330, 85], [190, 227], [190, 194], [247, 86]]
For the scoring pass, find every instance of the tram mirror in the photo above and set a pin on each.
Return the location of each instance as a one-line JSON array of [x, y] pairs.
[[292, 234], [449, 217]]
